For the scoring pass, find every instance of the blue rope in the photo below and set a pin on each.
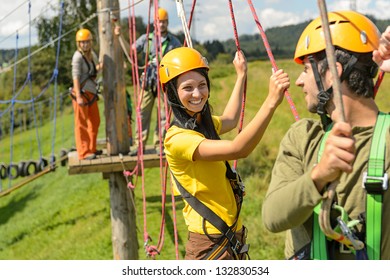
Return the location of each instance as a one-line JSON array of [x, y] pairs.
[[55, 74], [29, 78], [12, 108]]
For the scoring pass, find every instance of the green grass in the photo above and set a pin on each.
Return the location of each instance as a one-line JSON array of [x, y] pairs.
[[59, 216]]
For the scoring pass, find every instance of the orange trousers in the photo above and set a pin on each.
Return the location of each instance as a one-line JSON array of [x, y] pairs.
[[86, 126]]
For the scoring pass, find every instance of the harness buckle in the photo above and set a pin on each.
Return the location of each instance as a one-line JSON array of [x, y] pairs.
[[235, 245], [378, 186]]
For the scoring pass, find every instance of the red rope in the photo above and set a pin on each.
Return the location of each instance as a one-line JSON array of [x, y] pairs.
[[242, 114], [138, 96], [176, 236], [234, 26], [272, 59], [378, 82]]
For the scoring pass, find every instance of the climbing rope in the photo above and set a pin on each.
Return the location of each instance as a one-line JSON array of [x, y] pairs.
[[138, 92], [190, 19], [182, 16], [242, 114], [272, 59], [378, 82]]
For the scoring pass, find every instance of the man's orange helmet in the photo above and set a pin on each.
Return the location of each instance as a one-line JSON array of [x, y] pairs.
[[162, 14], [83, 35], [179, 61], [350, 31]]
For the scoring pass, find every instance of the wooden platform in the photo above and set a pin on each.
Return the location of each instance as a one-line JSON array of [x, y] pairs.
[[107, 164]]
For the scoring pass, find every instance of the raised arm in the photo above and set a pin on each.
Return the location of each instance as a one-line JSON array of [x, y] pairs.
[[244, 143], [231, 114]]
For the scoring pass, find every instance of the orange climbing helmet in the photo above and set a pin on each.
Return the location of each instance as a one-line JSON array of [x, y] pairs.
[[83, 35], [162, 14], [179, 61], [349, 30]]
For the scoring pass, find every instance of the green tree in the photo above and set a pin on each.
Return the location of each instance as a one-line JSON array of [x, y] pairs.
[[76, 15]]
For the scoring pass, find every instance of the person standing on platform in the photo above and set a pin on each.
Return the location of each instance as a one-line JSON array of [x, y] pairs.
[[85, 66]]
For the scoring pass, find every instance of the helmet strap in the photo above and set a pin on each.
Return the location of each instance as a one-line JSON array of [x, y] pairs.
[[323, 95]]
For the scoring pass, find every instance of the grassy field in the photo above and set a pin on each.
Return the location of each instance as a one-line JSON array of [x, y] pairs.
[[59, 216]]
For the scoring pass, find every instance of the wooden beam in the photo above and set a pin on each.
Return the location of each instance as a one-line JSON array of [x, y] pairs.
[[123, 216], [108, 164]]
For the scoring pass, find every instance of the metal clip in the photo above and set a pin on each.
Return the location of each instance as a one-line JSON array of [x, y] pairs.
[[348, 234]]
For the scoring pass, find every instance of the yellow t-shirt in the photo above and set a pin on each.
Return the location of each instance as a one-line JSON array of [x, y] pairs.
[[206, 180]]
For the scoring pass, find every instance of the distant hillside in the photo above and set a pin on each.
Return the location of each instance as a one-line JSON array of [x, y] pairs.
[[281, 39], [6, 55]]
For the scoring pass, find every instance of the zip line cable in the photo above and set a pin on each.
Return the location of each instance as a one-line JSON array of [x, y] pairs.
[[43, 12], [11, 12], [50, 43], [272, 59]]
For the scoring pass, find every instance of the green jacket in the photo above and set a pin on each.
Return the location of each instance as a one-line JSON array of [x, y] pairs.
[[292, 195]]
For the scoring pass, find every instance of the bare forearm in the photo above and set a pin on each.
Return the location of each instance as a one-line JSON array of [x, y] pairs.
[[250, 136], [233, 107]]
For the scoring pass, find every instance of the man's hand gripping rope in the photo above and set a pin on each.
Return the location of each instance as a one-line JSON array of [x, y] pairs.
[[345, 236]]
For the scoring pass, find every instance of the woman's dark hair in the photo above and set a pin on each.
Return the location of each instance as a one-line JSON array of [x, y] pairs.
[[182, 118], [359, 70]]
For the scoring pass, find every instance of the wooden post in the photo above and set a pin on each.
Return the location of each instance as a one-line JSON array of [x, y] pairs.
[[123, 219]]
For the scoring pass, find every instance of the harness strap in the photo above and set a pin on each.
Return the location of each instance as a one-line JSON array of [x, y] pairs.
[[228, 233], [164, 45], [91, 72], [318, 245], [91, 75], [375, 182]]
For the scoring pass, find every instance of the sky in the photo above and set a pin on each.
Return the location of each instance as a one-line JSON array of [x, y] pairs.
[[212, 17]]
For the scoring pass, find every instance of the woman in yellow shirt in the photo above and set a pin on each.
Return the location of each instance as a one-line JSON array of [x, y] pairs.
[[198, 157]]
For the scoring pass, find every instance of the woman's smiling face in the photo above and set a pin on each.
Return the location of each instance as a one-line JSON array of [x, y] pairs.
[[193, 91]]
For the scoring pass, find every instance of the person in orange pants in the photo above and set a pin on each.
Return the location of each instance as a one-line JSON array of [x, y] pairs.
[[85, 66]]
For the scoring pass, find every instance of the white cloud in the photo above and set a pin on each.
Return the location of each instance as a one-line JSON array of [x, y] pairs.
[[212, 17], [272, 18]]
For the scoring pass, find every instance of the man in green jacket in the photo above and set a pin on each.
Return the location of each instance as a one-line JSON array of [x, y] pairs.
[[301, 178]]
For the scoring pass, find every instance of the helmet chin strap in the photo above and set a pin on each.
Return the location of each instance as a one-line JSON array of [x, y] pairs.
[[323, 96], [191, 122]]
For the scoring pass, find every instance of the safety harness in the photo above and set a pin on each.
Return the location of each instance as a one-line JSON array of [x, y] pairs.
[[149, 79], [228, 236], [92, 73], [375, 181]]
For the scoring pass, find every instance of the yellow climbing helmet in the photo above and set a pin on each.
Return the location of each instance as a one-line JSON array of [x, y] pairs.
[[179, 61], [83, 35], [162, 14], [349, 30]]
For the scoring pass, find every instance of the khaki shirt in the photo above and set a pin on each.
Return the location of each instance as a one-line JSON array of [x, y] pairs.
[[292, 195]]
